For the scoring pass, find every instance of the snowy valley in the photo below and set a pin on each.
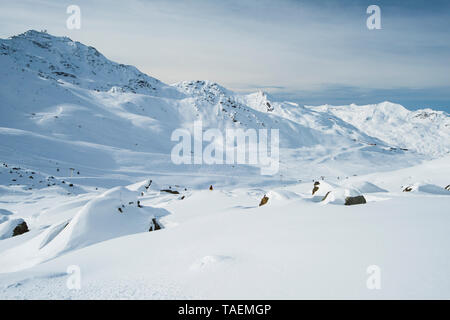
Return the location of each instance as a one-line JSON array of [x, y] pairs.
[[87, 180]]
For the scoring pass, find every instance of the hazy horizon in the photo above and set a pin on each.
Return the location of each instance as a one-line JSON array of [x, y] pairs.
[[301, 51]]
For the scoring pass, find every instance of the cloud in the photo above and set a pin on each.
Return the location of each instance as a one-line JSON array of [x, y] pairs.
[[284, 45]]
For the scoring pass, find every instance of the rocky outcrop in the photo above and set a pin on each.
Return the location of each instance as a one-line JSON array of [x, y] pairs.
[[148, 185], [316, 187], [326, 195], [349, 201], [170, 191], [12, 228], [155, 225], [20, 229], [264, 200]]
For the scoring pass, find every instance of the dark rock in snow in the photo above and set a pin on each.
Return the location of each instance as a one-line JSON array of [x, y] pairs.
[[148, 185], [20, 229], [170, 191], [264, 200], [155, 225], [349, 201], [316, 187], [324, 198]]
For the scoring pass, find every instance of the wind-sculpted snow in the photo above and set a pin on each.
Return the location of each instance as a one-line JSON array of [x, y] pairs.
[[113, 214]]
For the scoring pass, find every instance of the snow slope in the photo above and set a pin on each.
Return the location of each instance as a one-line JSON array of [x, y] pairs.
[[82, 137], [220, 244]]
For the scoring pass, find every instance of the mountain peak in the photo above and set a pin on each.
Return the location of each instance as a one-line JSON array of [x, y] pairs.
[[35, 34], [63, 60], [41, 37]]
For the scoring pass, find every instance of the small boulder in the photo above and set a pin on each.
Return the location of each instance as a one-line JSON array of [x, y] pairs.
[[349, 201], [155, 225], [20, 229], [12, 227], [316, 187], [264, 200]]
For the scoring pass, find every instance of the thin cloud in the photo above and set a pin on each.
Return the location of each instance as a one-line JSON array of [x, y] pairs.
[[282, 46]]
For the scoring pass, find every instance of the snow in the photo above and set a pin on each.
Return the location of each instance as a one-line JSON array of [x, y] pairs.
[[82, 136], [7, 227], [424, 131]]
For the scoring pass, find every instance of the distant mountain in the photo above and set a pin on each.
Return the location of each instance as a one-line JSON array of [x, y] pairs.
[[425, 131]]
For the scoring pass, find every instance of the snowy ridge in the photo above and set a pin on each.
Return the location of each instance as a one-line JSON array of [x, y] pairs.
[[60, 58], [425, 131]]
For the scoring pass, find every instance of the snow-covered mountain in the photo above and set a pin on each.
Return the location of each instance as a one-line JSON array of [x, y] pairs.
[[54, 58], [85, 149], [69, 97], [425, 131]]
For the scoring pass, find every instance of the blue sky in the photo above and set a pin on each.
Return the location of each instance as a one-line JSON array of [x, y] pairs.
[[311, 52]]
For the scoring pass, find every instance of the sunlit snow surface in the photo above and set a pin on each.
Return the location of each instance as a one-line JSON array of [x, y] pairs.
[[64, 105]]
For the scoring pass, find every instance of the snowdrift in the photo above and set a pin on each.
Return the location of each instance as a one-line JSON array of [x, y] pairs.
[[112, 214], [7, 227]]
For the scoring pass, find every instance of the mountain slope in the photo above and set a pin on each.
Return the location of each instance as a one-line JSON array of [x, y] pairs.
[[425, 131], [62, 92]]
